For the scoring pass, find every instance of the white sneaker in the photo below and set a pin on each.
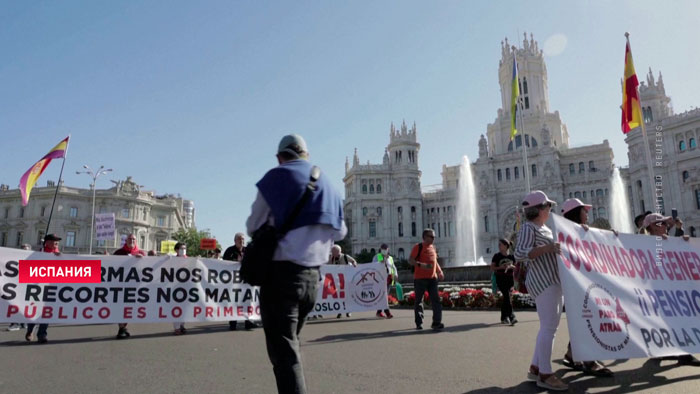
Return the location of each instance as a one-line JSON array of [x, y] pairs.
[[13, 327]]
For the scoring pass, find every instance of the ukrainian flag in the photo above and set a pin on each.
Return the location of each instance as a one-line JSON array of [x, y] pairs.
[[515, 93], [28, 180]]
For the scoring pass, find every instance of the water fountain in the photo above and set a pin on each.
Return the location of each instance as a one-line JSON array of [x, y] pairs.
[[467, 236], [620, 218]]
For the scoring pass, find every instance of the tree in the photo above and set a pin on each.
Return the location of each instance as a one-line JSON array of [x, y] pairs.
[[364, 257], [191, 237]]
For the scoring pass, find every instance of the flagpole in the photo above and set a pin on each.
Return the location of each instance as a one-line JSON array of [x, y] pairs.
[[60, 175], [647, 149], [522, 127]]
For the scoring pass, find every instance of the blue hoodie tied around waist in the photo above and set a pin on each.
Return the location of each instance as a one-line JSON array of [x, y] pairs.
[[283, 186]]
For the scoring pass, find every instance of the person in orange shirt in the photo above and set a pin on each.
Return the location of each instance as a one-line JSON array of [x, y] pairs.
[[425, 277]]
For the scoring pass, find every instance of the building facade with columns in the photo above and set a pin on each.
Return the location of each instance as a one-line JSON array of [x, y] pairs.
[[673, 144], [152, 218], [560, 170]]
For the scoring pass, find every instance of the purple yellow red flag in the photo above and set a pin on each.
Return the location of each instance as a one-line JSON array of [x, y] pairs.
[[631, 109], [28, 180]]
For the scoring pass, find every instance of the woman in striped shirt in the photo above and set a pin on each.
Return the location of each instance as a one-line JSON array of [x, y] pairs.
[[536, 246]]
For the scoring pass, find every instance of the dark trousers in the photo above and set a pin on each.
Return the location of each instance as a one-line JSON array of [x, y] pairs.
[[285, 301], [505, 283], [42, 330], [431, 285]]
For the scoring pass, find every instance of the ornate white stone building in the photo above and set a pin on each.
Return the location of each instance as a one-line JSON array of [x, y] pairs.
[[150, 217], [675, 155], [384, 202]]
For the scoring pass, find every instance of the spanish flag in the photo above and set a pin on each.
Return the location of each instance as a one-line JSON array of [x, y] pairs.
[[631, 110], [28, 180], [515, 93]]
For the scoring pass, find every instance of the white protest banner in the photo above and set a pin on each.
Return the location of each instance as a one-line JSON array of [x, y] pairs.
[[104, 226], [630, 295], [132, 290], [166, 289], [348, 289]]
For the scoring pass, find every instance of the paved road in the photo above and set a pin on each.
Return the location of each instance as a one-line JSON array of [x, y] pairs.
[[474, 354]]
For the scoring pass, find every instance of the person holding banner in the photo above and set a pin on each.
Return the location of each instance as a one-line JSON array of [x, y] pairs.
[[337, 258], [536, 246], [129, 249], [289, 292], [50, 246], [235, 252], [391, 274], [576, 211], [658, 225], [181, 250]]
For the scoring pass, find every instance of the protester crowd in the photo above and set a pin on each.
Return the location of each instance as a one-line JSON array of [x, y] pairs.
[[298, 190]]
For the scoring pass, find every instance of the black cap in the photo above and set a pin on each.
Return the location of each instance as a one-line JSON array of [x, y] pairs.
[[51, 237], [384, 246]]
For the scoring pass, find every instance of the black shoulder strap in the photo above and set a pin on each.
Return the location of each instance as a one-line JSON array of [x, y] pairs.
[[310, 188], [345, 256], [420, 249]]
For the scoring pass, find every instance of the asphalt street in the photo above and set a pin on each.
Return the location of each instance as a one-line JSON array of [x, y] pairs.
[[473, 354]]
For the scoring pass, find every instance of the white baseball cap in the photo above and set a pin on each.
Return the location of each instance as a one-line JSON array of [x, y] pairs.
[[573, 203]]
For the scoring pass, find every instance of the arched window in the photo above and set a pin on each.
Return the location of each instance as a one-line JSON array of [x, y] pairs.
[[399, 210], [402, 254], [572, 169], [372, 251], [602, 213], [413, 229], [413, 209], [599, 192], [591, 166], [692, 143], [379, 188], [364, 211], [400, 229], [379, 211], [371, 188], [364, 189], [686, 175], [534, 170], [681, 146], [500, 176], [516, 172], [571, 195], [581, 167], [507, 174], [530, 141], [577, 194], [524, 85]]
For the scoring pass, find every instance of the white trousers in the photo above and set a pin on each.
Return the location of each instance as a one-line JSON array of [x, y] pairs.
[[549, 307]]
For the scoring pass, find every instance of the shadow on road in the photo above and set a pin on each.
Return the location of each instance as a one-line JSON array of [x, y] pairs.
[[628, 381], [208, 329], [394, 333]]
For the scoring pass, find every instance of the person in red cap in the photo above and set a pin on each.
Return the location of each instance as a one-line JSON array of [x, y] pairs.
[[537, 248], [50, 246], [576, 211], [129, 249]]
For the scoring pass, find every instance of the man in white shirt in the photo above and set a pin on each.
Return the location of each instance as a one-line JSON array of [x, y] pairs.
[[289, 292]]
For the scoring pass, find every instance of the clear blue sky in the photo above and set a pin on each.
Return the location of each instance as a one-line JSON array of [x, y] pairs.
[[193, 97]]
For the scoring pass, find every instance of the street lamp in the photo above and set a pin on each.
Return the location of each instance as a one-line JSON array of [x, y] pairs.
[[94, 176]]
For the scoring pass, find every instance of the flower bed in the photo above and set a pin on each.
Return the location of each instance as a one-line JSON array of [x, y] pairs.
[[469, 298]]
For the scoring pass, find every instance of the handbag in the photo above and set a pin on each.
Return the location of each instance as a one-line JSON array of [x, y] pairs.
[[256, 263], [519, 276]]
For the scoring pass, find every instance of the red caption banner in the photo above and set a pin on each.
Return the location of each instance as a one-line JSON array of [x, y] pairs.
[[60, 271]]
